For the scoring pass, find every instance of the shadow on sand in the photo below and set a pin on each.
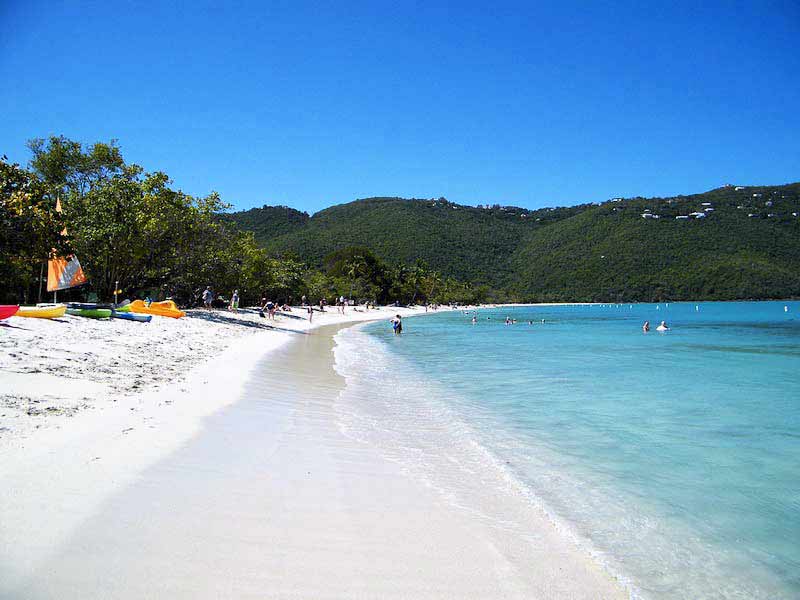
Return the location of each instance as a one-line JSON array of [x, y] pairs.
[[220, 316]]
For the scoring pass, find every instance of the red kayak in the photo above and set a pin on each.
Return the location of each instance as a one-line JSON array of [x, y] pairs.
[[6, 310]]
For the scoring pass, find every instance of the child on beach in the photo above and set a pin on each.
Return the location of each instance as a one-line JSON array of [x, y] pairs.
[[235, 300]]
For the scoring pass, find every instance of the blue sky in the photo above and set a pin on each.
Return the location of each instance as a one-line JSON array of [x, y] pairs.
[[314, 104]]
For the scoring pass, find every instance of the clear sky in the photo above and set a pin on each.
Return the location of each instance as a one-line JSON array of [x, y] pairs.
[[313, 104]]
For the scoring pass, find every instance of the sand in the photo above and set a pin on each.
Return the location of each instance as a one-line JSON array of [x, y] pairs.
[[232, 480]]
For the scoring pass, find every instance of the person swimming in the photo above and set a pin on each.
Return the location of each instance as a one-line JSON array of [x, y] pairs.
[[508, 320], [646, 326], [662, 327], [474, 320]]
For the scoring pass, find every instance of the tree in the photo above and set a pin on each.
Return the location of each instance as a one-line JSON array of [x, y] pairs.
[[66, 166], [417, 276], [30, 229], [355, 269]]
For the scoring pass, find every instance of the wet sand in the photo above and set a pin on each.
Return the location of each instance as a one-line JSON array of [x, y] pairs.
[[271, 500]]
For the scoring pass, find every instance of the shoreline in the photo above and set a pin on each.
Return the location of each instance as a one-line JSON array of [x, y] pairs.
[[104, 429], [321, 515]]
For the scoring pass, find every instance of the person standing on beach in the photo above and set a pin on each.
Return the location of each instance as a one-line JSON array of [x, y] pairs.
[[208, 297], [235, 300], [310, 312]]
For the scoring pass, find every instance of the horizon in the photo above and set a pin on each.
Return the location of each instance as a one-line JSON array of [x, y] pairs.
[[311, 106]]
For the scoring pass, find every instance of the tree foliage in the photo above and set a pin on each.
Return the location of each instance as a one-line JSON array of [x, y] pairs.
[[746, 246]]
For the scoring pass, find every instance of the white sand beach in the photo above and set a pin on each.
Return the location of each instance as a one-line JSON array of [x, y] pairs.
[[200, 458]]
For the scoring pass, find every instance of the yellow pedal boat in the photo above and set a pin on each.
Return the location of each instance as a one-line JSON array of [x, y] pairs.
[[167, 308], [42, 312]]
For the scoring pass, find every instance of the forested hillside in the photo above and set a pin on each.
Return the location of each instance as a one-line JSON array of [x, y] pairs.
[[269, 222], [729, 243], [465, 242]]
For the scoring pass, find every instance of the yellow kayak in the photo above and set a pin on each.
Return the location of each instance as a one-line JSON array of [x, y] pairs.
[[42, 312], [163, 309]]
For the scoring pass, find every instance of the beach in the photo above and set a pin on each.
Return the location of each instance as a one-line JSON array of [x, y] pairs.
[[205, 458]]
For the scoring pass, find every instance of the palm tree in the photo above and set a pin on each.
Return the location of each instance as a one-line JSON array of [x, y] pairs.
[[435, 280], [418, 273], [355, 268]]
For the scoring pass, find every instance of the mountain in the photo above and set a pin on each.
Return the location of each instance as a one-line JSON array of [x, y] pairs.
[[468, 243], [269, 222], [746, 244]]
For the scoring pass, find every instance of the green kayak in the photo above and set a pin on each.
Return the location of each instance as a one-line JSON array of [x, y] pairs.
[[90, 313]]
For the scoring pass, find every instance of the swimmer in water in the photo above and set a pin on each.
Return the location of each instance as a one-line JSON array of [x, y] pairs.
[[508, 320], [646, 326], [662, 327], [474, 320]]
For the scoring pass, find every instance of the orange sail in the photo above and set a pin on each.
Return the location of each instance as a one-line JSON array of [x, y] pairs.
[[64, 273]]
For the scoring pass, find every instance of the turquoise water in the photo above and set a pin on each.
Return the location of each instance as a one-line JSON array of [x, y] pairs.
[[673, 457]]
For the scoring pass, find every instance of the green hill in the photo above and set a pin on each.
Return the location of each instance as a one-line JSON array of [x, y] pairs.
[[747, 244], [269, 222], [468, 243]]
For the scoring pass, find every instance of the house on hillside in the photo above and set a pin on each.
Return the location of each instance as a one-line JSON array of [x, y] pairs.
[[739, 188], [698, 215], [683, 217], [647, 215]]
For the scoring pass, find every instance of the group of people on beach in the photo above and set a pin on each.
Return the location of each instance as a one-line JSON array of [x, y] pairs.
[[209, 298]]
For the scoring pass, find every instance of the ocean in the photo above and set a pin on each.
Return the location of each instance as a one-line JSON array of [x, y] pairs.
[[673, 458]]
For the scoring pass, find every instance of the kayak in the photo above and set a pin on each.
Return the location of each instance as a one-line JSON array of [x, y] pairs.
[[124, 306], [86, 305], [129, 316], [42, 312], [8, 310], [90, 313], [163, 309]]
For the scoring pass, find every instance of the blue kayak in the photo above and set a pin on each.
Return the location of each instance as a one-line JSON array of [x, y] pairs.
[[128, 316]]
